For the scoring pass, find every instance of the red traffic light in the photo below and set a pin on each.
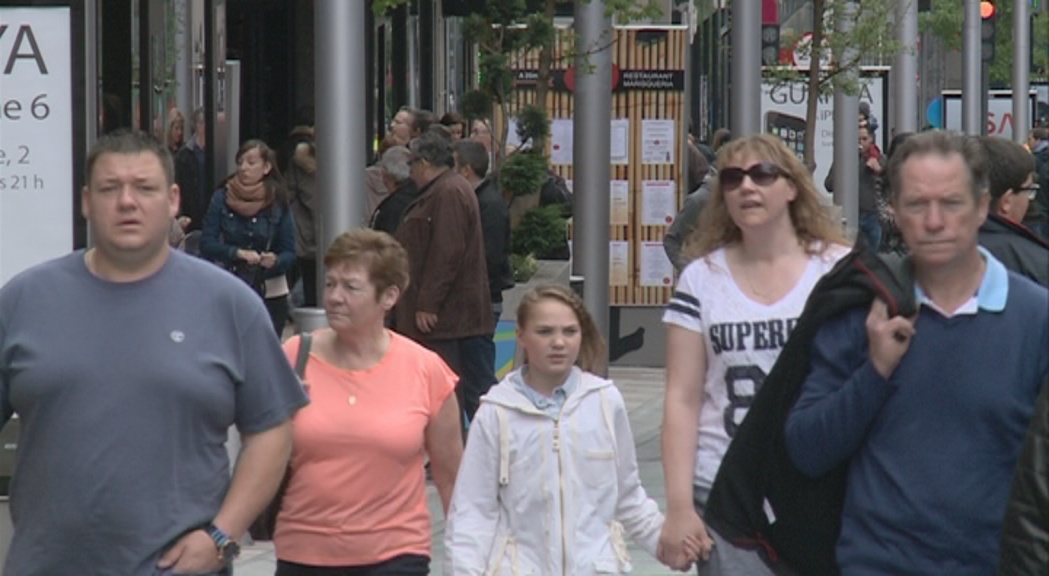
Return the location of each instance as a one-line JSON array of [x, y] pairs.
[[986, 10]]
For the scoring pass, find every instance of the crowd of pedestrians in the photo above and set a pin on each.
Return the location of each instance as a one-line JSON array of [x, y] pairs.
[[901, 386]]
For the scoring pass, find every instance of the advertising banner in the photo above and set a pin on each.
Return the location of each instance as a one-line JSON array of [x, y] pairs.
[[783, 107], [36, 137]]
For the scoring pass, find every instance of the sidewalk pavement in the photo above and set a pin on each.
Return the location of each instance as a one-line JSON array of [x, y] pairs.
[[642, 389]]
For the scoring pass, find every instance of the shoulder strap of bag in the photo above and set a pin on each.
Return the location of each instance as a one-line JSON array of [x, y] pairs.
[[504, 446], [304, 354], [606, 411]]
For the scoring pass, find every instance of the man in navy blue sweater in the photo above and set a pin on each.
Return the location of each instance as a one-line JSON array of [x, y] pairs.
[[929, 412]]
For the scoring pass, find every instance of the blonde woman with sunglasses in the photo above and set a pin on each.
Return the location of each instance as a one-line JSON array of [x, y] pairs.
[[762, 242]]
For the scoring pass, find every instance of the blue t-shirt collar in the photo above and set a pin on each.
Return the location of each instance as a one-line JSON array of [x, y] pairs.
[[993, 290]]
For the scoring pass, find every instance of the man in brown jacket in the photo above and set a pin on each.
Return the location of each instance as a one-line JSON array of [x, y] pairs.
[[447, 306]]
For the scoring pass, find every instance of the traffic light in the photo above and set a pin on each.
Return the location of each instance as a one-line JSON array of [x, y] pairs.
[[987, 18], [769, 44]]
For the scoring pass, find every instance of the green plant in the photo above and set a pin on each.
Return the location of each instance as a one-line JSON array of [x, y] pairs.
[[524, 267], [541, 232], [524, 172], [532, 126]]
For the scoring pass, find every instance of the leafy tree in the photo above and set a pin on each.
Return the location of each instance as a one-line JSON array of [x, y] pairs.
[[872, 35], [945, 21]]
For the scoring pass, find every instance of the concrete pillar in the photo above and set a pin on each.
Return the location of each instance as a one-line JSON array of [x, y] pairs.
[[339, 59], [745, 109], [905, 69], [1021, 74], [592, 129], [972, 93]]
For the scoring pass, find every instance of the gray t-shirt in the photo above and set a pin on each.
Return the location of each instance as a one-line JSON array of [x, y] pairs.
[[126, 393]]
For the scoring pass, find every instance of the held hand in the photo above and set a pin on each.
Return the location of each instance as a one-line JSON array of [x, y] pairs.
[[889, 338], [268, 260], [425, 321], [194, 553], [874, 165], [683, 540], [250, 256]]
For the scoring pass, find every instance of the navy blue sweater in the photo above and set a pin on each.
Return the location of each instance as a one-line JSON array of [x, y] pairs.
[[931, 450]]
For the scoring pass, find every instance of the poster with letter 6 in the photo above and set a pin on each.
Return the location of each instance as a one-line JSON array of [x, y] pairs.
[[36, 137]]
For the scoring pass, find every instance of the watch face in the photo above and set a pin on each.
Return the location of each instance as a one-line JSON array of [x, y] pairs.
[[230, 551]]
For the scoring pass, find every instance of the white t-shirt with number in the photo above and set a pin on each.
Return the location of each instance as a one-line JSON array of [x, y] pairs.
[[742, 338]]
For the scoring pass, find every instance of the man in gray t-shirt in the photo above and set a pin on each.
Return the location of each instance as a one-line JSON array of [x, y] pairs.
[[127, 363]]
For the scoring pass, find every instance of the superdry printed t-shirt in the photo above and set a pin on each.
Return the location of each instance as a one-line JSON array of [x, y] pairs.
[[743, 338]]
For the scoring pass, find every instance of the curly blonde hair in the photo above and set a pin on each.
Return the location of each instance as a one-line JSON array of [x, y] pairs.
[[592, 348], [812, 221]]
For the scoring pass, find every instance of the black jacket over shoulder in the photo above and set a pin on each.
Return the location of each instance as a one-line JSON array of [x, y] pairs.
[[756, 475], [1017, 247], [1025, 532]]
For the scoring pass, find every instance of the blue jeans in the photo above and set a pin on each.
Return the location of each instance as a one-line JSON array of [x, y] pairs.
[[870, 230]]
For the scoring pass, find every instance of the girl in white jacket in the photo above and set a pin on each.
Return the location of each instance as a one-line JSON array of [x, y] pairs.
[[549, 482]]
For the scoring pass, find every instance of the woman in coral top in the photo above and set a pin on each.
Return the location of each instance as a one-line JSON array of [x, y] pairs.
[[379, 404]]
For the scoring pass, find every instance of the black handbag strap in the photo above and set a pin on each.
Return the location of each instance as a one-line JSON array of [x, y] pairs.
[[304, 354]]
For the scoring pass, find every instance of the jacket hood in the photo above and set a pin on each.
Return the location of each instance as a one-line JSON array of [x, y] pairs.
[[504, 393]]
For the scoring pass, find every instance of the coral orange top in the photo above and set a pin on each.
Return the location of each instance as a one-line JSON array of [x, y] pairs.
[[357, 492]]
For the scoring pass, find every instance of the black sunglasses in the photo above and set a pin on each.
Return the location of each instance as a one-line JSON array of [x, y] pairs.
[[762, 174]]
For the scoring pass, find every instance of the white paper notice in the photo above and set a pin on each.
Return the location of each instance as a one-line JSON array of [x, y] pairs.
[[620, 141], [658, 202], [561, 141], [513, 142], [620, 203], [656, 269], [657, 141], [619, 262]]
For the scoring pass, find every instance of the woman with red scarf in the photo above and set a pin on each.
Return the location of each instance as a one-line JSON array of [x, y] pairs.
[[249, 230]]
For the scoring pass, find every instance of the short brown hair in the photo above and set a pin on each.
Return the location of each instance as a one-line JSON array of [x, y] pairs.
[[1008, 165], [128, 142], [941, 143], [384, 257], [592, 349]]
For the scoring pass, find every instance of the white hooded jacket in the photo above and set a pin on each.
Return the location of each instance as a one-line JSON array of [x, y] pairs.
[[544, 496]]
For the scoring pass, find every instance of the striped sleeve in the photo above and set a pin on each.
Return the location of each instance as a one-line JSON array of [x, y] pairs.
[[684, 308]]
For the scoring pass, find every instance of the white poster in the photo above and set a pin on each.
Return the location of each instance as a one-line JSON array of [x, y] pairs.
[[619, 263], [658, 202], [656, 269], [657, 142], [36, 138], [620, 203], [561, 141], [620, 151], [783, 113]]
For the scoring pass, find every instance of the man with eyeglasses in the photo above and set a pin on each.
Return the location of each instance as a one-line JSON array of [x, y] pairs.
[[1012, 189]]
